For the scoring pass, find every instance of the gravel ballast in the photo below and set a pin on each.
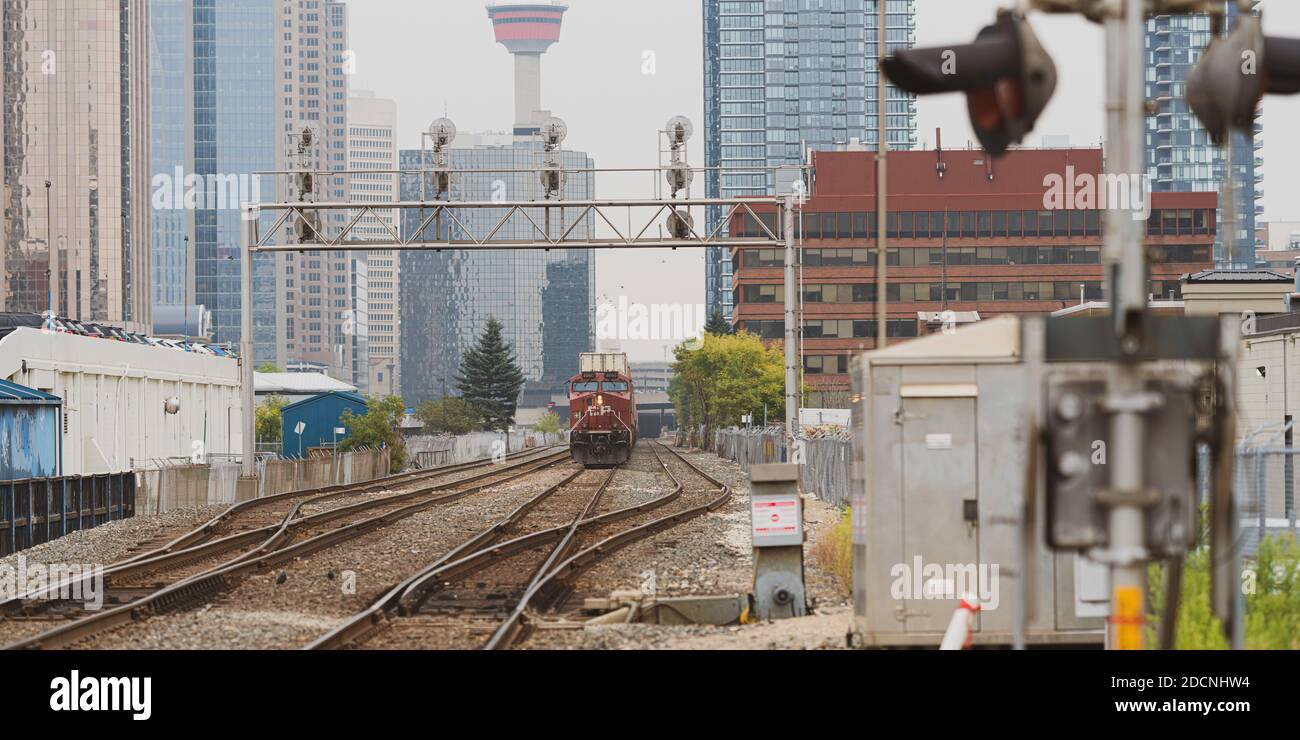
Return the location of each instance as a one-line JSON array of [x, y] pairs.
[[709, 555], [119, 540], [291, 605]]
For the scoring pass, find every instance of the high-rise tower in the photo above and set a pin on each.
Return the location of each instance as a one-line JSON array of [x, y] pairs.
[[783, 79], [527, 31]]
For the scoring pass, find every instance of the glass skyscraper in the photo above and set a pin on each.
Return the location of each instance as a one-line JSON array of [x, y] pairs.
[[76, 189], [782, 77], [230, 81], [1179, 154], [215, 121], [544, 300]]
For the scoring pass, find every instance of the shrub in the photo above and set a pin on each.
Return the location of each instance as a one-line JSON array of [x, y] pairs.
[[833, 551]]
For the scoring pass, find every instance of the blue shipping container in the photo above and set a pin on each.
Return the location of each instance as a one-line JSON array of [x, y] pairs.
[[319, 415], [30, 433]]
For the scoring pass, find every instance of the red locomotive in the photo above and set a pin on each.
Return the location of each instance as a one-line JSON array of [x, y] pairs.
[[602, 411]]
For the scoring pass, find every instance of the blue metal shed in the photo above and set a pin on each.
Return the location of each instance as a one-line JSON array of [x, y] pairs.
[[319, 416], [30, 433]]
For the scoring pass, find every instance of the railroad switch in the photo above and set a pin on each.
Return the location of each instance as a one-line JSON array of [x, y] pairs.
[[778, 535]]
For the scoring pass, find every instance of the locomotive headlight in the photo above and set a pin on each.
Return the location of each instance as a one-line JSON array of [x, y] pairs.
[[600, 400]]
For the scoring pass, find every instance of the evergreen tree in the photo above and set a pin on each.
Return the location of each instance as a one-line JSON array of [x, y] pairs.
[[490, 379], [717, 324]]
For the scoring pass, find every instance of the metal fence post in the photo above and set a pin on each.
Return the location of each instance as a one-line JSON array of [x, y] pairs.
[[1261, 499]]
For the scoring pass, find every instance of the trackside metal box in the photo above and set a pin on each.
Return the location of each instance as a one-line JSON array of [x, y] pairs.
[[942, 430]]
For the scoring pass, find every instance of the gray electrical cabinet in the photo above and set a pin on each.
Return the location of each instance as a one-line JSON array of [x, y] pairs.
[[942, 482]]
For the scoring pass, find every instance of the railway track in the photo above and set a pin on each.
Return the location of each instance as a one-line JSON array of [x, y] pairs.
[[479, 594], [241, 527], [177, 579], [261, 512]]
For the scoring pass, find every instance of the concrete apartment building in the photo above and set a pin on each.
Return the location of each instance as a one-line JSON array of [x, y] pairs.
[[74, 146], [652, 377], [372, 145], [967, 233], [320, 315]]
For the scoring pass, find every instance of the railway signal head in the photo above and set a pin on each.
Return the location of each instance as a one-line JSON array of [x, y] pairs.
[[1006, 75], [679, 130], [680, 224], [442, 132], [1225, 87]]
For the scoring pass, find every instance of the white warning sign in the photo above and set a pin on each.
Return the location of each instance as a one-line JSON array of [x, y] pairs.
[[775, 518]]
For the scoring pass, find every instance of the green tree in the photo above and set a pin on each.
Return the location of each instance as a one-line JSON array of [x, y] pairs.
[[449, 415], [717, 324], [269, 367], [490, 378], [550, 424], [269, 420], [727, 377], [380, 426], [1270, 586]]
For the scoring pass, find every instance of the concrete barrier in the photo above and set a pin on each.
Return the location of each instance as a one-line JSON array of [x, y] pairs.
[[190, 486]]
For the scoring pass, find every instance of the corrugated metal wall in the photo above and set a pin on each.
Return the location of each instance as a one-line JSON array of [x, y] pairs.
[[29, 441]]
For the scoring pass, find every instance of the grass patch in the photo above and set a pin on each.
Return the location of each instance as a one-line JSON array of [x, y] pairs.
[[833, 551]]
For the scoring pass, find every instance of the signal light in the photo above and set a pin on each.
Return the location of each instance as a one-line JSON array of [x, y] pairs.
[[1225, 87], [1007, 76]]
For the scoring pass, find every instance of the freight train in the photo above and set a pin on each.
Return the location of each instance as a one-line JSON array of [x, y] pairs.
[[602, 410]]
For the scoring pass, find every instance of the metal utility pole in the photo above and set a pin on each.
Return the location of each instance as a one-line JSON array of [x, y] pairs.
[[185, 297], [248, 459], [1126, 399], [882, 154], [791, 329], [54, 257]]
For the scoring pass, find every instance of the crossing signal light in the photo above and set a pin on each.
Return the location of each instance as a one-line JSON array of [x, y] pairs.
[[1007, 76], [1225, 87]]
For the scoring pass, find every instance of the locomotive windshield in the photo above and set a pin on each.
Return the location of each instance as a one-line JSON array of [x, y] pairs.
[[585, 386], [615, 386]]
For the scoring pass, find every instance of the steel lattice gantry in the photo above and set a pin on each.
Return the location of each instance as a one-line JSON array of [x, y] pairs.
[[629, 224]]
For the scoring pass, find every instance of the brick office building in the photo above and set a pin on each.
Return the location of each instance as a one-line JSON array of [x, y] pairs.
[[967, 233]]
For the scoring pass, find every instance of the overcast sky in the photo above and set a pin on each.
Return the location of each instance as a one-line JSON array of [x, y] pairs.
[[436, 56]]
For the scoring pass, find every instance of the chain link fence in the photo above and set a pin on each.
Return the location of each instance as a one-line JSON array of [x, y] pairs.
[[1267, 474], [823, 455]]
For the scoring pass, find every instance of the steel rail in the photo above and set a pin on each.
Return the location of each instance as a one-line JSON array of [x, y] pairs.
[[278, 533], [470, 557], [203, 586], [223, 520], [551, 588], [198, 543], [271, 538]]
